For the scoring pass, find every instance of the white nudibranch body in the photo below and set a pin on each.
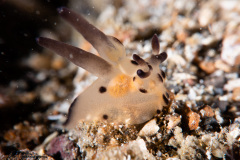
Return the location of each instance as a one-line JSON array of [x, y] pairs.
[[126, 91]]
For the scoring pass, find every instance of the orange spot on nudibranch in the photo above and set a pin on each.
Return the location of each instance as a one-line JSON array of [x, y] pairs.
[[120, 85]]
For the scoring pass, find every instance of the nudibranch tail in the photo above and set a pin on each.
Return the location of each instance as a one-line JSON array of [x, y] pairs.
[[106, 46], [92, 63]]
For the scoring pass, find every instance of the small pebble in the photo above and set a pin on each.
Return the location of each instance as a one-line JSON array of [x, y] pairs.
[[174, 120], [207, 111], [231, 44], [232, 84], [149, 129], [236, 94], [208, 67], [193, 120]]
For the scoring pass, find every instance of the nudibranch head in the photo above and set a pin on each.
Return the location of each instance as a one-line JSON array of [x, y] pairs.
[[126, 91]]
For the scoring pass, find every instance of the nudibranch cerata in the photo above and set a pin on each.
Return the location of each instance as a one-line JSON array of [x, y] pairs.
[[126, 91]]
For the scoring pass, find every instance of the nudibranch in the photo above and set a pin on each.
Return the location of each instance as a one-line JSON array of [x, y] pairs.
[[126, 91]]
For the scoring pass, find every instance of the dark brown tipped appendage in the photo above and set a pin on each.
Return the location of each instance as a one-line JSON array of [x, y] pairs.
[[161, 57], [141, 62], [160, 77], [138, 59], [163, 74], [155, 45], [156, 57], [143, 74], [134, 62], [93, 35], [165, 99], [150, 67], [81, 58]]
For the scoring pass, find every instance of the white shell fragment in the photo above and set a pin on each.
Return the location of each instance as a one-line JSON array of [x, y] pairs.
[[150, 128], [126, 91]]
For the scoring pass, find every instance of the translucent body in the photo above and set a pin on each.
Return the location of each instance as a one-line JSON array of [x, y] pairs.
[[126, 91]]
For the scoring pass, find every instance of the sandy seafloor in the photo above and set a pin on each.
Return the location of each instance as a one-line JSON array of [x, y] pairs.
[[202, 39]]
